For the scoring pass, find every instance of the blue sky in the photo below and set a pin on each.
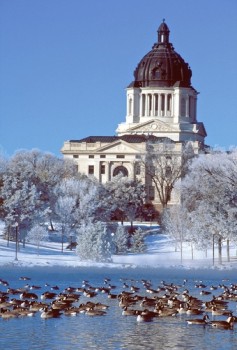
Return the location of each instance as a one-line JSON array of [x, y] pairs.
[[65, 65]]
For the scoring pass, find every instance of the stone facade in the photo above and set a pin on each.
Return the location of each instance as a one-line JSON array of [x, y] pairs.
[[161, 104]]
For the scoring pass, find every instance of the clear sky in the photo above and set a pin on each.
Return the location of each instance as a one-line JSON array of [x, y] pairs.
[[65, 65]]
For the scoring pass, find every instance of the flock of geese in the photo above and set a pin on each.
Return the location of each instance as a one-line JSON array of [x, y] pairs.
[[139, 299]]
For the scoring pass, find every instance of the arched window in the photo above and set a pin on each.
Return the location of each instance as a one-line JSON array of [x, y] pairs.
[[120, 170]]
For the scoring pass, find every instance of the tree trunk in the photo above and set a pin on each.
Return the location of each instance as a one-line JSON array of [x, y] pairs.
[[62, 239], [219, 250], [51, 225], [213, 250], [228, 250], [181, 252]]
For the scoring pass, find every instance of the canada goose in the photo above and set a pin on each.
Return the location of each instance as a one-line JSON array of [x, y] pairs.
[[165, 312], [24, 278], [26, 295], [48, 295], [228, 324], [219, 312], [144, 317], [129, 312], [193, 311], [93, 312], [100, 306], [6, 314], [71, 311], [202, 321], [50, 313]]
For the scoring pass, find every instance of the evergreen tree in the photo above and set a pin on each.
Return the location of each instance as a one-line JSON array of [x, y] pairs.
[[137, 242], [121, 239], [94, 242]]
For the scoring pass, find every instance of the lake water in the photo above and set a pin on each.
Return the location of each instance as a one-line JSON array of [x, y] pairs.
[[114, 331]]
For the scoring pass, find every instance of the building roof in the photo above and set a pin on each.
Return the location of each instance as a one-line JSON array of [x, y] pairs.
[[129, 138]]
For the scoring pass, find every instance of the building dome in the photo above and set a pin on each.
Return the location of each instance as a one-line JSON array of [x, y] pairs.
[[162, 66]]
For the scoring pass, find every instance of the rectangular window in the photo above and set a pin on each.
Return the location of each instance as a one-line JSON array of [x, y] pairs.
[[120, 156], [102, 169], [91, 156], [75, 156], [102, 156], [138, 170], [91, 170], [151, 193]]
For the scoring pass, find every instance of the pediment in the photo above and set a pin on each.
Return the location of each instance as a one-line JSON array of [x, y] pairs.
[[152, 126], [119, 146]]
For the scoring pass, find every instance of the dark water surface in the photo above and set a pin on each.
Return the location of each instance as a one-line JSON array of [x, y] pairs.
[[114, 331]]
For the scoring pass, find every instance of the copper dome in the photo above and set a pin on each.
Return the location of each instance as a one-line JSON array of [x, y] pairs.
[[162, 66]]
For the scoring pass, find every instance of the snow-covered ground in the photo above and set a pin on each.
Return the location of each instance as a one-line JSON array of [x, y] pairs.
[[160, 253]]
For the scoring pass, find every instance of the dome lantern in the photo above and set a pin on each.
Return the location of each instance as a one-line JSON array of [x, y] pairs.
[[163, 33]]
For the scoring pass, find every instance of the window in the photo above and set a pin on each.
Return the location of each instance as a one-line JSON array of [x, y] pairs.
[[120, 170], [143, 104], [156, 104], [130, 106], [151, 193], [149, 104], [162, 102], [102, 156], [120, 156], [102, 169], [183, 107], [75, 156], [168, 171], [169, 102], [91, 170], [138, 170], [91, 156]]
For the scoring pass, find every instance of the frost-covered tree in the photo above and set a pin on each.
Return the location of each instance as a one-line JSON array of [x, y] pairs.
[[121, 239], [175, 223], [37, 234], [94, 242], [126, 196], [209, 192], [137, 242], [20, 203], [43, 171], [64, 209], [164, 164]]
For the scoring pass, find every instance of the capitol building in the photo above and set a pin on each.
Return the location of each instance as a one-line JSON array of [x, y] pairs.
[[161, 106]]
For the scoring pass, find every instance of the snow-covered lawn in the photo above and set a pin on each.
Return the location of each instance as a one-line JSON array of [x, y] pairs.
[[160, 252]]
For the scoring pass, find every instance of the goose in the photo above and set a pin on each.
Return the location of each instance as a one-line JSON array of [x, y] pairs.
[[93, 312], [50, 313], [6, 314], [228, 324], [219, 312], [202, 321], [144, 317], [162, 312], [129, 312], [194, 311], [71, 311]]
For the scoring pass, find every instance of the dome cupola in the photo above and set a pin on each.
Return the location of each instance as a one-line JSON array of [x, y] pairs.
[[162, 66]]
